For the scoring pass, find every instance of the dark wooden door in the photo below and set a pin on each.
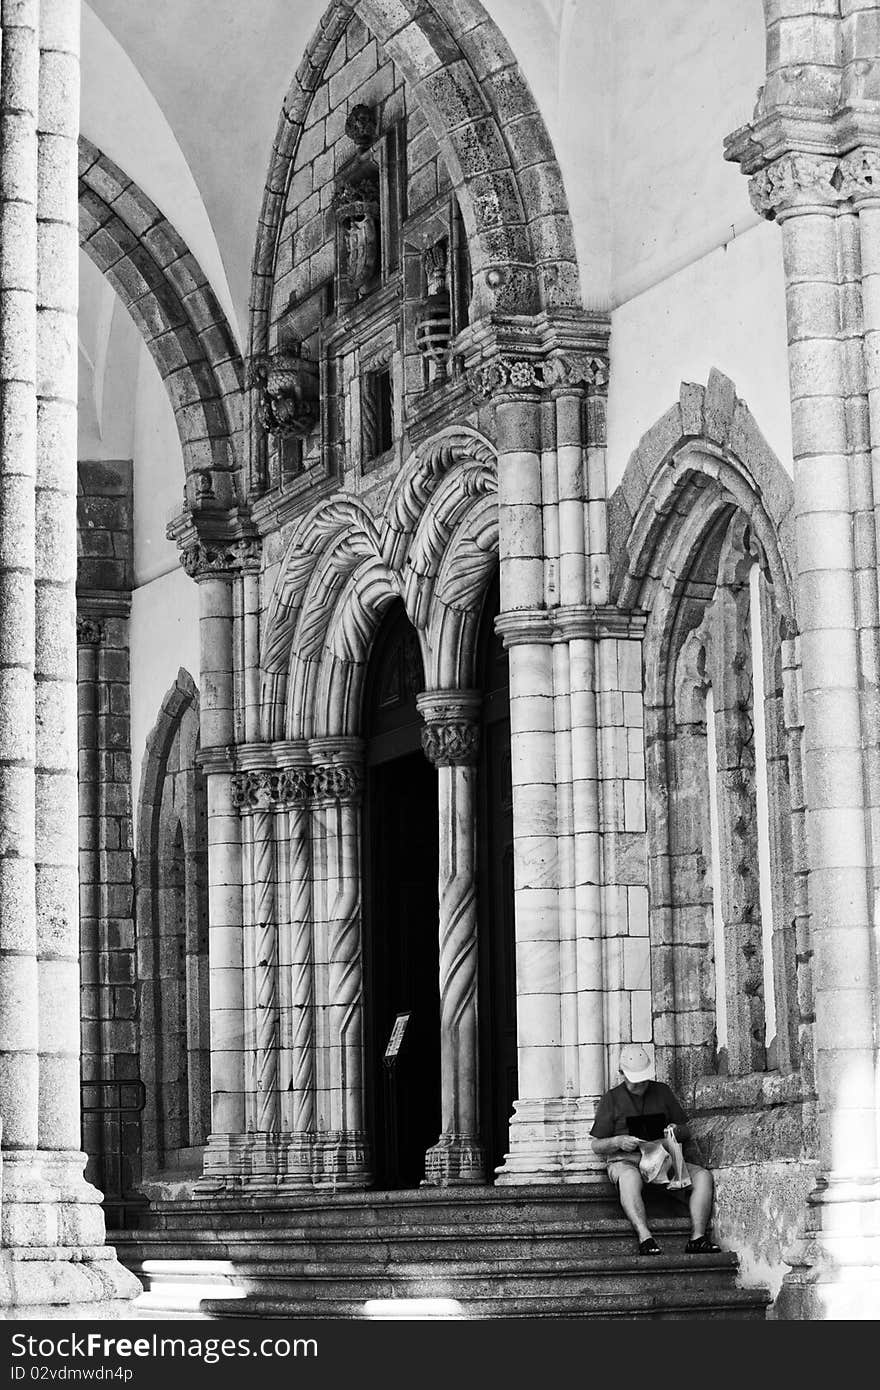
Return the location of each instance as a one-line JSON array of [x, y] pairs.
[[498, 1059]]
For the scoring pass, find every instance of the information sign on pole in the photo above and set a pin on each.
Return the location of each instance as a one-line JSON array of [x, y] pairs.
[[396, 1040]]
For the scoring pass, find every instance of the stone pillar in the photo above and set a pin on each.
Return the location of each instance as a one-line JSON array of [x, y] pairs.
[[834, 1271], [52, 1261], [533, 761], [18, 424], [214, 570], [338, 788], [450, 741], [548, 570]]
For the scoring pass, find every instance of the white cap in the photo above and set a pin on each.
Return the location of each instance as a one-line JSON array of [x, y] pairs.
[[635, 1063]]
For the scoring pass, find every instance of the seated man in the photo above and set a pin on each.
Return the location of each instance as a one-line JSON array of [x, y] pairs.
[[640, 1095]]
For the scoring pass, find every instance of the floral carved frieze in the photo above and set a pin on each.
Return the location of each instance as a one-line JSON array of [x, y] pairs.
[[269, 789], [504, 373]]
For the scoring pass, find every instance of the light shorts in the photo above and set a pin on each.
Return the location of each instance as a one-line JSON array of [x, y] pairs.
[[617, 1166]]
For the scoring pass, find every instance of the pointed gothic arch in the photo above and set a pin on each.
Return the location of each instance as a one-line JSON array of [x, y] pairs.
[[172, 934], [702, 505]]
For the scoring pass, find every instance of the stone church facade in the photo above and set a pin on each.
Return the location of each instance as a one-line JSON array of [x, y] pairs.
[[535, 755]]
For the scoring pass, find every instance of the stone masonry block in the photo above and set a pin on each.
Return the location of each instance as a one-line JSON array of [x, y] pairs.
[[718, 406], [454, 94], [350, 77]]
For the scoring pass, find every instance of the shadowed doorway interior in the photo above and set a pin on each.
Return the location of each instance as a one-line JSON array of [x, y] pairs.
[[497, 939], [401, 950]]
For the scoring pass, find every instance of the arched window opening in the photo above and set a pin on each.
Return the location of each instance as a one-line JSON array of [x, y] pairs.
[[724, 890]]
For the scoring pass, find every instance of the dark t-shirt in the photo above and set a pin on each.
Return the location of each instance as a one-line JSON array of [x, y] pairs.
[[618, 1104]]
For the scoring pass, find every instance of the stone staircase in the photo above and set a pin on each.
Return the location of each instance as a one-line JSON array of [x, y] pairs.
[[541, 1252]]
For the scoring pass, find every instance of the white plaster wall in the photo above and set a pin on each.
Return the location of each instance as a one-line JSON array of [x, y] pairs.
[[122, 117], [727, 310], [109, 348], [164, 636], [158, 474], [684, 77]]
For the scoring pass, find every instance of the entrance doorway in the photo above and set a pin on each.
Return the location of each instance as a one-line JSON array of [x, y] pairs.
[[497, 936], [401, 936]]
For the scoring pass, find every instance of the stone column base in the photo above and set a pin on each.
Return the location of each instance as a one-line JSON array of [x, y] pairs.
[[342, 1159], [835, 1268], [226, 1163], [266, 1161], [300, 1159], [54, 1263], [455, 1160], [550, 1142], [88, 1282]]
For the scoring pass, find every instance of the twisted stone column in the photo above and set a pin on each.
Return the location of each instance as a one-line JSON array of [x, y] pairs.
[[300, 1139], [264, 1159], [338, 788], [450, 740]]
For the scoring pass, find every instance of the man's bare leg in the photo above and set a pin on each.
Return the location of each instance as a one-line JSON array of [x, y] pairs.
[[701, 1199], [630, 1192]]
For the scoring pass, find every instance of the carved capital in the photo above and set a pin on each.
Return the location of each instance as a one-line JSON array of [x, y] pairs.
[[256, 790], [220, 559], [796, 180], [294, 785], [860, 175], [89, 632], [337, 782], [451, 736], [452, 743]]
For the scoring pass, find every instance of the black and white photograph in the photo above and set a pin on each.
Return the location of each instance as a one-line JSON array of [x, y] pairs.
[[439, 682]]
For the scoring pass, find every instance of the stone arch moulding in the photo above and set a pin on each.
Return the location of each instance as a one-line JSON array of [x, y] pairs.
[[185, 330], [491, 136], [704, 489], [343, 565], [708, 440]]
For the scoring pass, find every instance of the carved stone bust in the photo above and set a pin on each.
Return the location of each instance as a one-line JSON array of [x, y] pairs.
[[360, 126]]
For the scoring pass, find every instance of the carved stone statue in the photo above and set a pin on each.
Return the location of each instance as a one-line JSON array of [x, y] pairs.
[[356, 207], [360, 126], [433, 331], [288, 386]]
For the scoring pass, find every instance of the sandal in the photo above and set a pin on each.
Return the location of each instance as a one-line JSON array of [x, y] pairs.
[[649, 1247], [702, 1245]]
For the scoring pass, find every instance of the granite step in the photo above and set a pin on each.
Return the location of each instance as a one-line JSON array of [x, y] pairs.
[[478, 1253]]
